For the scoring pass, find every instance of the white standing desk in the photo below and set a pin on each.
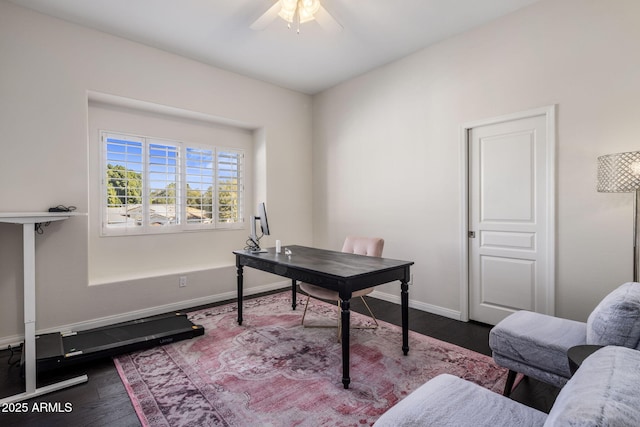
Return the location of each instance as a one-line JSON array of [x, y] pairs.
[[28, 221]]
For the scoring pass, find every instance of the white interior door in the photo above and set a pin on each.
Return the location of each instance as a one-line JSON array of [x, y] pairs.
[[510, 196]]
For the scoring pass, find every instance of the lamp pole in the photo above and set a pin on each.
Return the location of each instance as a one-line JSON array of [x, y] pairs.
[[635, 235]]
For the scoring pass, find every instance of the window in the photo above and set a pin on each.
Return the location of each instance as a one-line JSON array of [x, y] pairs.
[[152, 185]]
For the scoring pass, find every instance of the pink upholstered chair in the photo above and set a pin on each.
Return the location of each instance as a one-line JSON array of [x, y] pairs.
[[369, 246]]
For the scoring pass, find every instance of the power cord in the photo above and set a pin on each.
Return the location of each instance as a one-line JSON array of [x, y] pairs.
[[60, 208], [63, 208], [11, 350], [39, 226], [253, 245]]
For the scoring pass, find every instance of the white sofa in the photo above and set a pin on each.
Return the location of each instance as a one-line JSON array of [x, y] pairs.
[[605, 391]]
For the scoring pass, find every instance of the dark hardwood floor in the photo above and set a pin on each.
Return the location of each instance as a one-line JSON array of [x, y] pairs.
[[103, 401]]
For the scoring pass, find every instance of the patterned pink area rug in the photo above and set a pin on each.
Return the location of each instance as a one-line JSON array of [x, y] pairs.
[[273, 372]]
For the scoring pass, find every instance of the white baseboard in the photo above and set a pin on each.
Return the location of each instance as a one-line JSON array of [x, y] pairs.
[[429, 308], [16, 340]]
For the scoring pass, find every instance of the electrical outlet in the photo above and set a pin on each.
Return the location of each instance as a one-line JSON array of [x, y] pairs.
[[182, 281], [411, 280]]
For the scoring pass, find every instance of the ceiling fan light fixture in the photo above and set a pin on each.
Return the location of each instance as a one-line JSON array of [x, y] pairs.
[[304, 10], [288, 9], [307, 9]]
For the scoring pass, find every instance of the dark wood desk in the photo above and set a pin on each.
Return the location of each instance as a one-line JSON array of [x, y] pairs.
[[338, 271]]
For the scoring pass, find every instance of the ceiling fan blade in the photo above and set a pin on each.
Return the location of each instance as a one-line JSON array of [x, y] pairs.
[[326, 21], [266, 18]]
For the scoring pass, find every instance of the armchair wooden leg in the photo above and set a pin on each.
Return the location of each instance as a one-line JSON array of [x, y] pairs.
[[511, 378]]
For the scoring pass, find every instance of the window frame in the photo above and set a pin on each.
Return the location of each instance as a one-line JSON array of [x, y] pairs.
[[146, 228]]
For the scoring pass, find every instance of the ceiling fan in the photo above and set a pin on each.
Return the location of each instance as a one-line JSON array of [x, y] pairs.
[[296, 12]]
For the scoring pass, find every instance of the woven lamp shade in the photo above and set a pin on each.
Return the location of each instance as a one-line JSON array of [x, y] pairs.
[[619, 173]]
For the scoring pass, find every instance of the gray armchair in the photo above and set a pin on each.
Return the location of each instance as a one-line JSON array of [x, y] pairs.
[[536, 345]]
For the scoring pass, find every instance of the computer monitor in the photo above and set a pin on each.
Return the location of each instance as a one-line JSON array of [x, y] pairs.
[[253, 243], [264, 224]]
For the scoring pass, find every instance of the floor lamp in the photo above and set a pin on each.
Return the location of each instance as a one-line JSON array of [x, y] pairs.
[[620, 173]]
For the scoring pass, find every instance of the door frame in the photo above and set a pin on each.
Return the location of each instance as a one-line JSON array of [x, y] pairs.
[[550, 113]]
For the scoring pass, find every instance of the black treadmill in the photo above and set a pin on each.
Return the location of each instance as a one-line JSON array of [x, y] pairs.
[[57, 350]]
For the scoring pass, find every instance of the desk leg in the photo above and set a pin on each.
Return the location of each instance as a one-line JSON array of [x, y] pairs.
[[239, 268], [345, 319], [29, 238], [404, 296], [293, 293], [31, 390]]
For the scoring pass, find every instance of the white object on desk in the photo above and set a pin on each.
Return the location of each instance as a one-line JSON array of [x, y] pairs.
[[28, 221], [278, 246]]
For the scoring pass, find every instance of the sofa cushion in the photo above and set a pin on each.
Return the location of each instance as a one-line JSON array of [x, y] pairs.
[[447, 400], [535, 339], [603, 392], [616, 320]]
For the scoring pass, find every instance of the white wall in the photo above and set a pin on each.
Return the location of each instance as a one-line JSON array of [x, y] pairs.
[[48, 67], [385, 153], [118, 258], [387, 144]]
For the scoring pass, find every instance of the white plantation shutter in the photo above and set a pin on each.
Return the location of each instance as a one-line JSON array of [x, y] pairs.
[[153, 185], [200, 174], [229, 186], [124, 169], [162, 185]]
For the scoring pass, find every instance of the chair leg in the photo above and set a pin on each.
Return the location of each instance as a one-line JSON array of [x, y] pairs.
[[306, 305], [305, 309], [370, 312], [508, 387]]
